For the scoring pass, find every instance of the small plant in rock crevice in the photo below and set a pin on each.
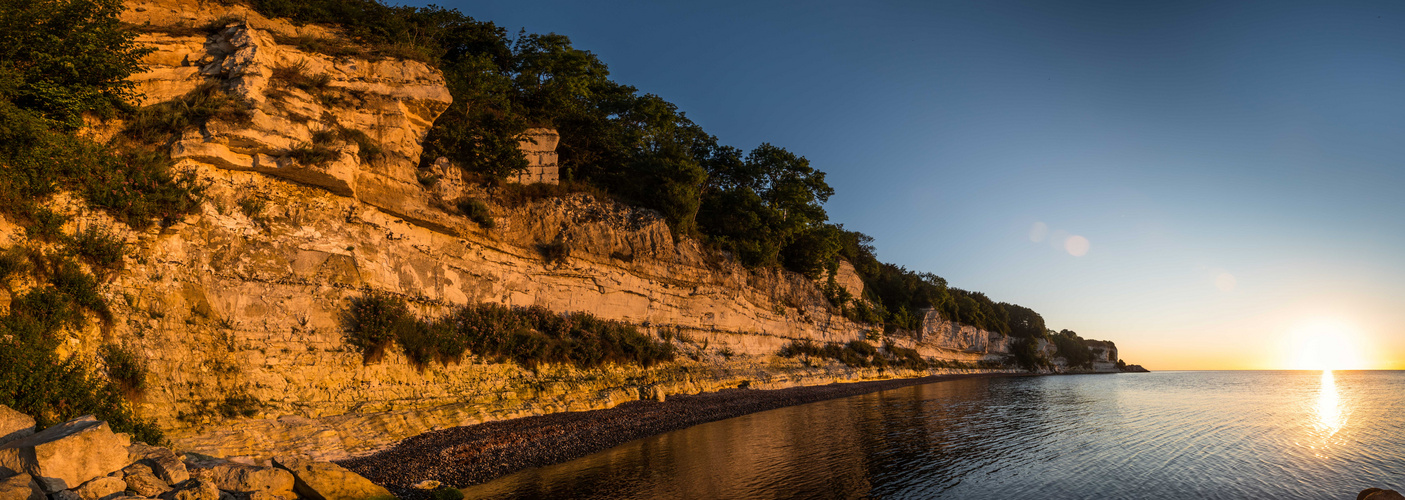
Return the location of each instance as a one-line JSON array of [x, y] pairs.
[[125, 367], [253, 207], [99, 247], [312, 153], [476, 211], [555, 252], [297, 76]]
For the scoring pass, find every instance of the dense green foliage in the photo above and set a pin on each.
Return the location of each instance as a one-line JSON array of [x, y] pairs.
[[896, 296], [1073, 349], [124, 367], [62, 60], [526, 335], [861, 354], [34, 379]]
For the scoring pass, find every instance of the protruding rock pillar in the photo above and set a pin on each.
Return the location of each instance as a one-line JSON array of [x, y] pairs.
[[538, 145]]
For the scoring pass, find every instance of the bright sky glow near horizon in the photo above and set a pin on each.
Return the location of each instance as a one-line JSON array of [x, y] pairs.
[[1210, 185]]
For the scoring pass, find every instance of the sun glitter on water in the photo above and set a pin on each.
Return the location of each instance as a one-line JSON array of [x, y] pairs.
[[1326, 345]]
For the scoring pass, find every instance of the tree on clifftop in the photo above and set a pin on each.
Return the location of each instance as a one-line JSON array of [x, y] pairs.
[[63, 58]]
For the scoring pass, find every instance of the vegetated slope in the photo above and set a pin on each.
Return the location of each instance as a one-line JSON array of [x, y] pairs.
[[765, 207]]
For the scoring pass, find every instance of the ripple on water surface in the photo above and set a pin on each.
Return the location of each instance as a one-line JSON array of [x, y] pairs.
[[1230, 435]]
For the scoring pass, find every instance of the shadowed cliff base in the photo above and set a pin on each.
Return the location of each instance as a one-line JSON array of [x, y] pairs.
[[475, 454]]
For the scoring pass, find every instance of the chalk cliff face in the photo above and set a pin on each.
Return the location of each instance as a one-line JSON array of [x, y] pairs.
[[943, 339], [237, 308]]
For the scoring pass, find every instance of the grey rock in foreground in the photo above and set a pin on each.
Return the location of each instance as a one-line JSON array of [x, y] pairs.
[[20, 487], [1379, 494], [83, 459], [329, 481], [68, 454], [163, 462], [141, 480], [14, 425], [251, 481], [102, 488]]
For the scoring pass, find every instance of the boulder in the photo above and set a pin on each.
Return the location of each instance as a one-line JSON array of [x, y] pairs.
[[102, 488], [20, 487], [1379, 494], [143, 481], [65, 495], [194, 489], [428, 484], [246, 480], [163, 462], [329, 481], [67, 454], [14, 425]]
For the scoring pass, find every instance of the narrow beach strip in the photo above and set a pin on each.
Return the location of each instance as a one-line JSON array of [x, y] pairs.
[[475, 454]]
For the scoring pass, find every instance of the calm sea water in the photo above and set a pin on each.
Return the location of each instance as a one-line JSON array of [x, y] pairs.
[[1230, 435]]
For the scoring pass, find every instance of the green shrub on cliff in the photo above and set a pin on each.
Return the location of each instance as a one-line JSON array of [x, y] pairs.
[[34, 379], [1073, 349], [60, 61], [373, 322], [857, 353], [528, 336], [65, 58]]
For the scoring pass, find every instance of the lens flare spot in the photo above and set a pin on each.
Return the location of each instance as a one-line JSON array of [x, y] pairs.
[[1076, 246], [1226, 282], [1038, 232]]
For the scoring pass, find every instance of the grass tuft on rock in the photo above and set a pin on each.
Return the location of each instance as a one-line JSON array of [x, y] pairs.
[[125, 368], [297, 76], [161, 123], [476, 211], [99, 247]]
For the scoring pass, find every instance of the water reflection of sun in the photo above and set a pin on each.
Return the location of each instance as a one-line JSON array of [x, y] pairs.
[[1329, 406], [1329, 416]]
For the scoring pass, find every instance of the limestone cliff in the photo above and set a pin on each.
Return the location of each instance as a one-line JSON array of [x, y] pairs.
[[237, 308]]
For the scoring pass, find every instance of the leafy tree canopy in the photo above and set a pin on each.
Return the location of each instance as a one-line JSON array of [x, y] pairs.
[[64, 58]]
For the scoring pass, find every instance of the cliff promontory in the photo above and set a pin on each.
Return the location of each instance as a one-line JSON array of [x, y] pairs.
[[315, 192]]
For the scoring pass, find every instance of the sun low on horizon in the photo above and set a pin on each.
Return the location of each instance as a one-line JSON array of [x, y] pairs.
[[1327, 344]]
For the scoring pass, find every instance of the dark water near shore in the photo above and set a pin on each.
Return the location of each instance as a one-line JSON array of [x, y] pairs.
[[1230, 435]]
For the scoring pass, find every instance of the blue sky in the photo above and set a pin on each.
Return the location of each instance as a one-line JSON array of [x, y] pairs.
[[1186, 142]]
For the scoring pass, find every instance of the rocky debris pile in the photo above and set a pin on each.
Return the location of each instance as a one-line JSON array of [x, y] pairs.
[[82, 459], [1135, 369]]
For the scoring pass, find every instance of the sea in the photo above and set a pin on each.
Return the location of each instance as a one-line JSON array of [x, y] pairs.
[[1161, 435]]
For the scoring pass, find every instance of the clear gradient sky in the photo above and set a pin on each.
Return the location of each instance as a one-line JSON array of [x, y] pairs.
[[1236, 168]]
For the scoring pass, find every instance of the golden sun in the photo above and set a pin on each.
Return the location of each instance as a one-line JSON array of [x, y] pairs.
[[1325, 345]]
